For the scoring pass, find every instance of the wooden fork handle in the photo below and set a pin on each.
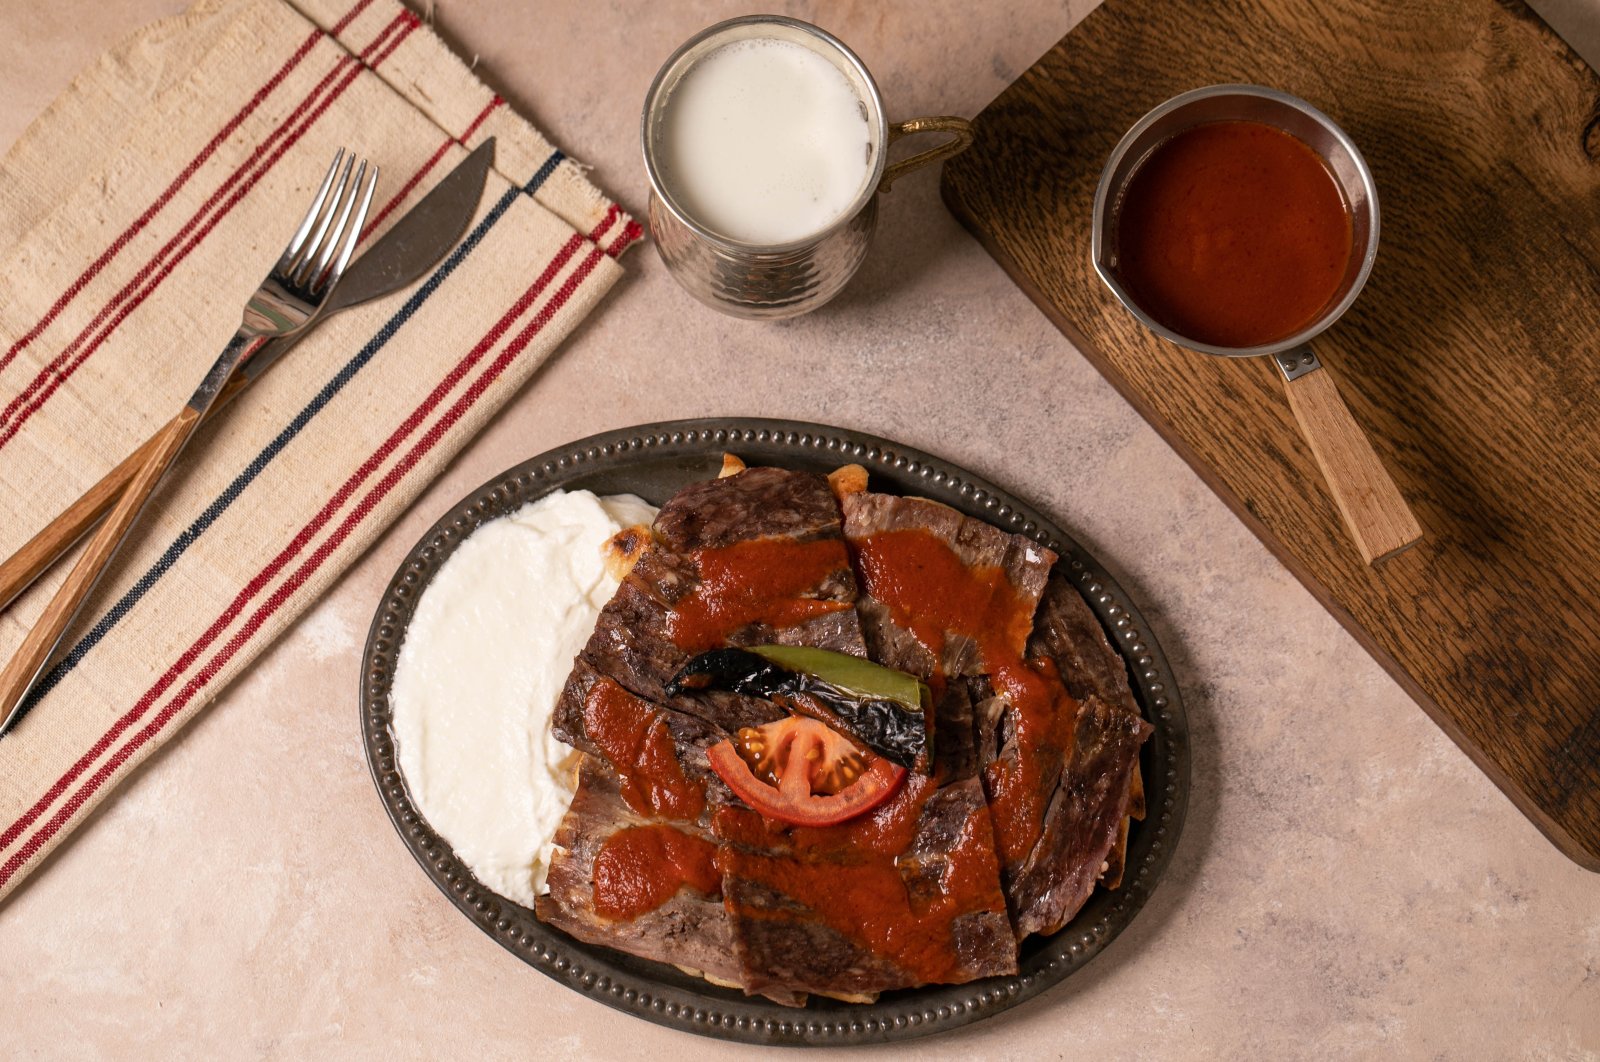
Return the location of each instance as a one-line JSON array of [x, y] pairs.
[[42, 550], [36, 648], [55, 538]]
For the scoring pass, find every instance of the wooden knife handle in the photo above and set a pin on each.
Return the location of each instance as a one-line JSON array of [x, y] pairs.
[[58, 536], [41, 641], [55, 538], [1373, 509]]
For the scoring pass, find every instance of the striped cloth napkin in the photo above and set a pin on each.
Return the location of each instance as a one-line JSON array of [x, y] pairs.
[[139, 212]]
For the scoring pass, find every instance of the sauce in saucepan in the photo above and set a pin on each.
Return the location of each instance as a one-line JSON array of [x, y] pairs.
[[1233, 234]]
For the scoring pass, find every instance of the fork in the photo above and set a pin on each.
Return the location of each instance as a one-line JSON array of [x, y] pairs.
[[289, 300]]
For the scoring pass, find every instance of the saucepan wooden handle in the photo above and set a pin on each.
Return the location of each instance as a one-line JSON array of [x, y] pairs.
[[1373, 509], [41, 640]]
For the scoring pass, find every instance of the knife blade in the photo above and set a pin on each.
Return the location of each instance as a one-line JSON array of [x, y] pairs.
[[421, 237], [418, 240]]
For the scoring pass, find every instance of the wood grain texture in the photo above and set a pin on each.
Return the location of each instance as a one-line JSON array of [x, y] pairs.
[[1470, 358], [36, 556], [19, 571], [41, 640], [1380, 521]]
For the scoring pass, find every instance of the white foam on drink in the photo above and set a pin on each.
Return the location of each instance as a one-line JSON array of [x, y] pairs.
[[764, 141]]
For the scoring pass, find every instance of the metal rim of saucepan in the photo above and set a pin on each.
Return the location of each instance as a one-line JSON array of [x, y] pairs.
[[654, 460], [1108, 194]]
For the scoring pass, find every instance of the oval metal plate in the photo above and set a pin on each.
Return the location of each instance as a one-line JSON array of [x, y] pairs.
[[653, 461]]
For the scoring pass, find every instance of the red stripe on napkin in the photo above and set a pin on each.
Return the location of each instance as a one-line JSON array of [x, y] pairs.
[[61, 368], [178, 182], [433, 160], [630, 232], [606, 222], [213, 666], [349, 17], [161, 201]]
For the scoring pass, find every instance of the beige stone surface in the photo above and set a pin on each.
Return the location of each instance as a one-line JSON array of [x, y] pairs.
[[1347, 886]]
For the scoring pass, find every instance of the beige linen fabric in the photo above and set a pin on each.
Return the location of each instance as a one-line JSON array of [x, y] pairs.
[[98, 108], [206, 137]]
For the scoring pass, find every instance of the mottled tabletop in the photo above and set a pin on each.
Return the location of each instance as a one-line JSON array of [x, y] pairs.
[[1348, 884]]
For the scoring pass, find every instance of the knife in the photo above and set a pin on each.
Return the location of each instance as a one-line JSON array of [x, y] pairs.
[[417, 241], [403, 254]]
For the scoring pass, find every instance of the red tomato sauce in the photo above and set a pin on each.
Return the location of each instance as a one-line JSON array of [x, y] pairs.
[[634, 737], [642, 867], [1020, 789], [1234, 234], [764, 580], [931, 592], [854, 876]]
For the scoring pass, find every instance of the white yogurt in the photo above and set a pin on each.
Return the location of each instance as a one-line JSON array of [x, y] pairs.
[[765, 141], [483, 663]]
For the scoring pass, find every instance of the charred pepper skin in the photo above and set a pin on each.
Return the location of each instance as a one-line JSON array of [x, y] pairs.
[[886, 726]]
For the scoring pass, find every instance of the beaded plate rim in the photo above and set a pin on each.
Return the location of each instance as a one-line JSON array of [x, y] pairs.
[[659, 994]]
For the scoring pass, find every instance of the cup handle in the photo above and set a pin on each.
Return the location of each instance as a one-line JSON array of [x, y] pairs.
[[960, 131], [1372, 506]]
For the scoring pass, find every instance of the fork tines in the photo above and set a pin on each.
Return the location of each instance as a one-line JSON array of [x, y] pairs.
[[310, 262]]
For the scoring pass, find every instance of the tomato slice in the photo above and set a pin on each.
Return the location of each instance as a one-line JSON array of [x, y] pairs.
[[803, 772]]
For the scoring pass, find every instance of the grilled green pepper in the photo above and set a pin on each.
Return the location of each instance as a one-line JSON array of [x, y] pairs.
[[888, 711]]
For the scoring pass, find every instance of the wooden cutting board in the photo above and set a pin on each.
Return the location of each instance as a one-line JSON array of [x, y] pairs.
[[1472, 357]]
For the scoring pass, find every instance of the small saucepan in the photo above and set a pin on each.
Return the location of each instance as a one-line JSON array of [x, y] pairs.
[[1373, 509]]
